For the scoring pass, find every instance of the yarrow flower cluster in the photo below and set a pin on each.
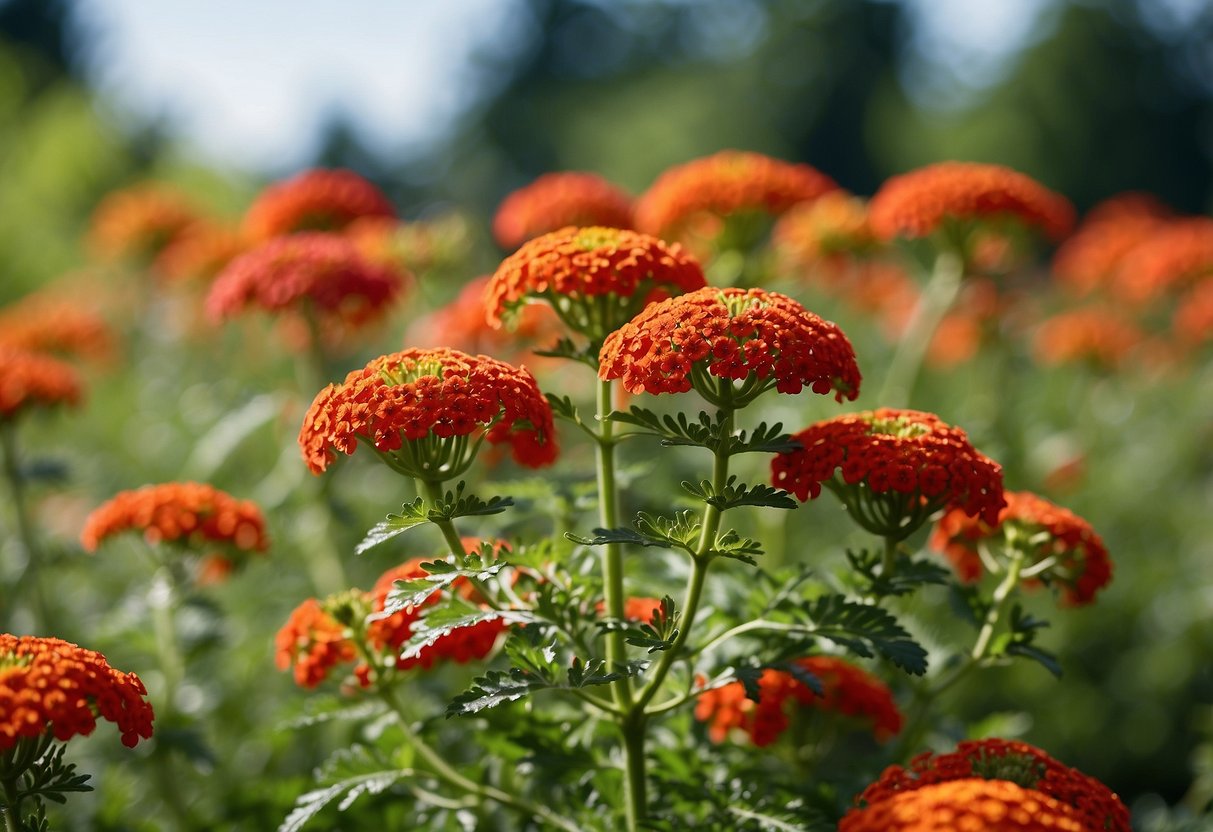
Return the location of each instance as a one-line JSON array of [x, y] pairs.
[[139, 221], [441, 396], [763, 339], [892, 469], [847, 690], [315, 200], [192, 514], [45, 323], [726, 183], [461, 325], [918, 203], [813, 234], [29, 379], [1091, 259], [970, 804], [1094, 805], [48, 685], [595, 278], [320, 636], [1060, 546], [1171, 258], [198, 253], [1097, 335], [323, 271], [557, 200]]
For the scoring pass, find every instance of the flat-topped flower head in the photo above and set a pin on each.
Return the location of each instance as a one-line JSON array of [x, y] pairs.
[[730, 345], [139, 221], [1059, 547], [969, 804], [921, 202], [315, 200], [46, 323], [813, 234], [51, 686], [1092, 258], [424, 411], [1098, 336], [892, 469], [192, 515], [700, 195], [558, 200], [317, 274], [343, 629], [461, 325], [1094, 805], [1174, 256], [847, 690], [595, 278], [30, 379]]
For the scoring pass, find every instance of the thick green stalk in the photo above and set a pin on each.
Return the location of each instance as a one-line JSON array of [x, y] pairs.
[[432, 491], [889, 560], [612, 553], [933, 305], [11, 807], [446, 772]]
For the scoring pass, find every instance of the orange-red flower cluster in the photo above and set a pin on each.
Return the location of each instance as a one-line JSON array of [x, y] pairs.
[[415, 393], [29, 379], [192, 513], [1091, 258], [1170, 258], [461, 325], [324, 270], [736, 334], [1094, 805], [903, 452], [1082, 565], [557, 200], [46, 323], [847, 690], [579, 263], [970, 804], [314, 641], [198, 252], [139, 221], [813, 234], [315, 200], [47, 684], [725, 183], [1095, 335], [917, 203], [1194, 314]]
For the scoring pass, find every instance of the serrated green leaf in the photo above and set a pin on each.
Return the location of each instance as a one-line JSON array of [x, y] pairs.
[[1043, 657], [908, 574], [442, 621], [411, 514], [732, 545], [736, 494], [621, 535], [477, 566], [864, 628], [311, 803]]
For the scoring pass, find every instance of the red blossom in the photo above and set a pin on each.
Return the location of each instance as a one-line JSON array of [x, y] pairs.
[[29, 379], [1098, 335], [315, 200], [812, 234], [191, 513], [557, 200], [580, 263], [969, 804], [1174, 255], [461, 325], [847, 690], [139, 221], [416, 393], [1093, 804], [1093, 256], [726, 183], [917, 203], [324, 271], [763, 338], [51, 685], [1082, 566], [56, 324]]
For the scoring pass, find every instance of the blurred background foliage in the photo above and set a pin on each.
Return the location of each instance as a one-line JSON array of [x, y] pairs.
[[1105, 96]]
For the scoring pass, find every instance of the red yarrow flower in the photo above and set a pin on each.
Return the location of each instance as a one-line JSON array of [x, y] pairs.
[[816, 234], [892, 469], [972, 804], [315, 200], [420, 394], [45, 323], [573, 267], [557, 200], [1093, 256], [1061, 547], [918, 203], [1172, 257], [723, 184], [461, 325], [29, 379], [48, 685], [322, 272], [1095, 335], [1094, 805], [846, 689], [762, 339], [139, 221], [189, 513]]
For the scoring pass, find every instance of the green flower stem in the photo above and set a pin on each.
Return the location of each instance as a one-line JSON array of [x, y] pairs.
[[25, 528], [937, 298], [11, 808], [612, 553], [432, 491], [446, 772], [889, 560], [916, 724]]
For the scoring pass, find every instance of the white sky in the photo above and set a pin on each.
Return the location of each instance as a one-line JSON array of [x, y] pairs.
[[246, 82]]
